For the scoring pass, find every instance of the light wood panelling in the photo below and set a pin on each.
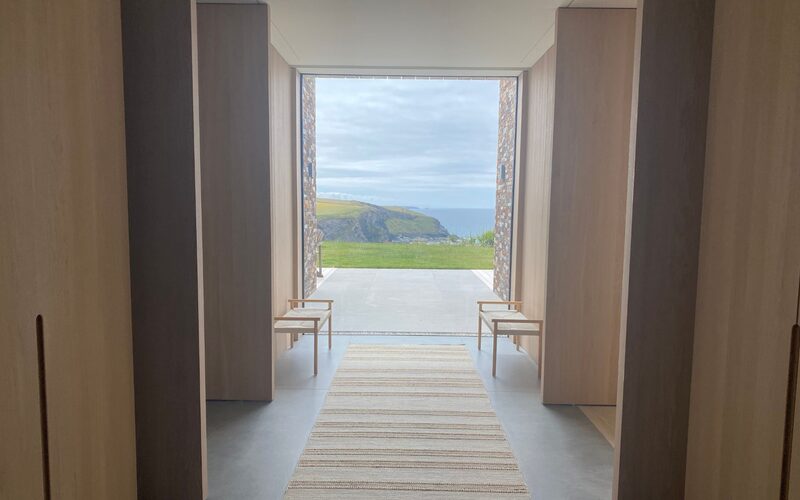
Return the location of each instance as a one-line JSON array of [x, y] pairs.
[[64, 252], [604, 418], [298, 180], [233, 62], [591, 124], [283, 189], [749, 255], [534, 190], [668, 127], [160, 70]]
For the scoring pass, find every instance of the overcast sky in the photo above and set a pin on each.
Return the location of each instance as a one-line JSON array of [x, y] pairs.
[[419, 143]]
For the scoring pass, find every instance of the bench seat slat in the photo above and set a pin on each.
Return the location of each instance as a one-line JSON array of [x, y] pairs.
[[529, 327], [296, 326]]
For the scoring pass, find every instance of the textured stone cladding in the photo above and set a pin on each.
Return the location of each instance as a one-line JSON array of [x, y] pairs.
[[504, 203], [312, 236]]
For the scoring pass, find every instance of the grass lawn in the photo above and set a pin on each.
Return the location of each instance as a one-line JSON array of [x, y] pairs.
[[406, 255]]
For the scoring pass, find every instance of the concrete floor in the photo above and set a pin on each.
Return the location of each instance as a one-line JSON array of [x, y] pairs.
[[253, 447], [404, 300]]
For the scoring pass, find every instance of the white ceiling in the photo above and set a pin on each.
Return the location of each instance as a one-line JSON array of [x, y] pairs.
[[490, 36]]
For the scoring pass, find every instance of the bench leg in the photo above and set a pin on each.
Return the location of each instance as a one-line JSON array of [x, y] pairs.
[[494, 352], [517, 342], [330, 332], [316, 348], [291, 341], [539, 359], [480, 324]]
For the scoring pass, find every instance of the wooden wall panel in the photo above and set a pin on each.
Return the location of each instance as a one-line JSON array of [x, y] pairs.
[[160, 70], [749, 254], [64, 252], [298, 178], [591, 124], [283, 187], [233, 47], [534, 189], [668, 128]]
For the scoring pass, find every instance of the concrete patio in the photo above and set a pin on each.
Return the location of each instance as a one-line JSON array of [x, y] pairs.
[[404, 300]]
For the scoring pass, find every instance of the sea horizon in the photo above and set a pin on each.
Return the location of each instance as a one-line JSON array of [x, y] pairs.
[[462, 222]]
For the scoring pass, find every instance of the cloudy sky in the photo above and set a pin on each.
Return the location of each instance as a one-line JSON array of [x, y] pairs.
[[418, 143]]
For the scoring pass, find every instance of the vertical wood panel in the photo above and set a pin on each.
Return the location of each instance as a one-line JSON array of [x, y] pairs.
[[64, 252], [298, 180], [233, 47], [283, 188], [591, 124], [534, 187], [160, 69], [749, 254], [21, 474], [667, 162]]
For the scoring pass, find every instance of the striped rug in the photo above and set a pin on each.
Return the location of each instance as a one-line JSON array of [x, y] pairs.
[[403, 422]]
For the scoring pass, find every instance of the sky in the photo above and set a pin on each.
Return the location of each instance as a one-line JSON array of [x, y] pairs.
[[412, 143]]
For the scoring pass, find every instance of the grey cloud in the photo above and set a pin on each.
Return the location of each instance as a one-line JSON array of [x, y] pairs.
[[430, 143]]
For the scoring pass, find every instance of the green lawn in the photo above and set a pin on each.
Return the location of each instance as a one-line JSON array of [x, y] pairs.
[[406, 255]]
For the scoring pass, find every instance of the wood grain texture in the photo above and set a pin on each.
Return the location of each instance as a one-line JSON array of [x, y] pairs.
[[233, 58], [749, 255], [64, 252], [604, 418], [160, 69], [298, 179], [534, 190], [591, 124], [284, 190], [671, 77]]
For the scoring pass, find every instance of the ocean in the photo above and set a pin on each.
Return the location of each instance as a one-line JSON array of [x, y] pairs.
[[463, 222]]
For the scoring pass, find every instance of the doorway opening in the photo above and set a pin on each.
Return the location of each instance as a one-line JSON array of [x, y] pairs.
[[408, 198]]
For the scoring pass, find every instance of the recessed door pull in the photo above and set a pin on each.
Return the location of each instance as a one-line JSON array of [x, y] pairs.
[[43, 407], [791, 398]]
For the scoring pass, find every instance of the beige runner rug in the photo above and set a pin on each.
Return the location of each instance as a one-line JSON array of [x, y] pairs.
[[403, 422]]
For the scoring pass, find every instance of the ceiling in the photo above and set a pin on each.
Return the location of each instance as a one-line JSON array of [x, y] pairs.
[[440, 36]]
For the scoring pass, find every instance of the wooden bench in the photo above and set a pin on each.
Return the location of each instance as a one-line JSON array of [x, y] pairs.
[[300, 320], [510, 322]]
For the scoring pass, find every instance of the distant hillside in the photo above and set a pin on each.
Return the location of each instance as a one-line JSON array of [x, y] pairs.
[[349, 220]]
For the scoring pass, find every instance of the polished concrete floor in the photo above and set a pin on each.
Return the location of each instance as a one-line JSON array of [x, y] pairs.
[[253, 447], [404, 300]]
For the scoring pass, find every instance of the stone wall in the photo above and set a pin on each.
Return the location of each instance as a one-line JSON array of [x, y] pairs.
[[312, 236], [504, 204]]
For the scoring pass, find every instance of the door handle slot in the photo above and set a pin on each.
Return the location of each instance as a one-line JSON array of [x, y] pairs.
[[43, 407]]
